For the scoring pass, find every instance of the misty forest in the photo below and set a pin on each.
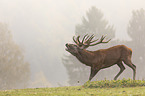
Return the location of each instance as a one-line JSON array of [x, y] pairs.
[[100, 26], [33, 35]]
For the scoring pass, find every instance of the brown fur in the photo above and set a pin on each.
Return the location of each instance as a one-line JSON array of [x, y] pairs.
[[104, 58]]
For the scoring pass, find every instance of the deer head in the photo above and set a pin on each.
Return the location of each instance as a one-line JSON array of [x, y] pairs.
[[85, 43], [73, 49]]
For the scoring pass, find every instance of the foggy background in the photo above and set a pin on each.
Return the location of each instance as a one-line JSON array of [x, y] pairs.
[[42, 27]]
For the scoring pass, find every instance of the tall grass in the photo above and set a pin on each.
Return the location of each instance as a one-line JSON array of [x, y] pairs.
[[114, 83]]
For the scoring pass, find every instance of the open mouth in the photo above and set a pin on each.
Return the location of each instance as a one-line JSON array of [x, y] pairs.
[[66, 49]]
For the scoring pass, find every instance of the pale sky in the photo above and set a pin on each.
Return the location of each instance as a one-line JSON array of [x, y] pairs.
[[42, 27]]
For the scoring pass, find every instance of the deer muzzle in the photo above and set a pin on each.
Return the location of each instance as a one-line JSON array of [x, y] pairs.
[[67, 46]]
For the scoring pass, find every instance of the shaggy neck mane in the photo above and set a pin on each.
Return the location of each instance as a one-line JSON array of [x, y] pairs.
[[84, 56]]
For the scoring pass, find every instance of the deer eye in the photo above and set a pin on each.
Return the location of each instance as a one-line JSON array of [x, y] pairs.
[[80, 45]]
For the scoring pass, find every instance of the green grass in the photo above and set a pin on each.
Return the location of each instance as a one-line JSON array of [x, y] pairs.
[[114, 83], [107, 88]]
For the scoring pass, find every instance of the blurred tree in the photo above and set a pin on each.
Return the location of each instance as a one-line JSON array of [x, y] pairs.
[[136, 30], [14, 71], [93, 23]]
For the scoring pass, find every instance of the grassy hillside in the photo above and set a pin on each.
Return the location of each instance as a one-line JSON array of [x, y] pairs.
[[88, 89]]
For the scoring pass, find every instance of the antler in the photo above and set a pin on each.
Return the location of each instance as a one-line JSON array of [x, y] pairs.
[[77, 41], [87, 40], [101, 41]]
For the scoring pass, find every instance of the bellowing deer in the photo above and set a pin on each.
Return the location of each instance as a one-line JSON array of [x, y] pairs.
[[102, 58]]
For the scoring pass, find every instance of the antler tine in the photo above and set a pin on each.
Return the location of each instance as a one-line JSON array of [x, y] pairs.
[[74, 40], [92, 36], [78, 39], [94, 40], [108, 40], [89, 40], [101, 41], [84, 38], [102, 38]]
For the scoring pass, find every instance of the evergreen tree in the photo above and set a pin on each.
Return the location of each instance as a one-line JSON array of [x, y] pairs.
[[136, 31], [93, 23]]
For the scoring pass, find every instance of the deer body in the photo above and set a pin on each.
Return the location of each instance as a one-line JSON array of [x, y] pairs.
[[103, 58]]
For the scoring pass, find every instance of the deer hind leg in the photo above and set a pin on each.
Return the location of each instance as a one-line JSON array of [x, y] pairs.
[[122, 68], [131, 65]]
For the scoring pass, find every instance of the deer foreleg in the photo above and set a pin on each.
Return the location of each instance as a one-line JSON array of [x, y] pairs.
[[93, 73]]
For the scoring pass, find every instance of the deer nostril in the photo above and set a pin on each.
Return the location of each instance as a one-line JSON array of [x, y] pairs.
[[66, 44]]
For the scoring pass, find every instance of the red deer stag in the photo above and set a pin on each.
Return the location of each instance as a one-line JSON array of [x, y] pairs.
[[102, 58]]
